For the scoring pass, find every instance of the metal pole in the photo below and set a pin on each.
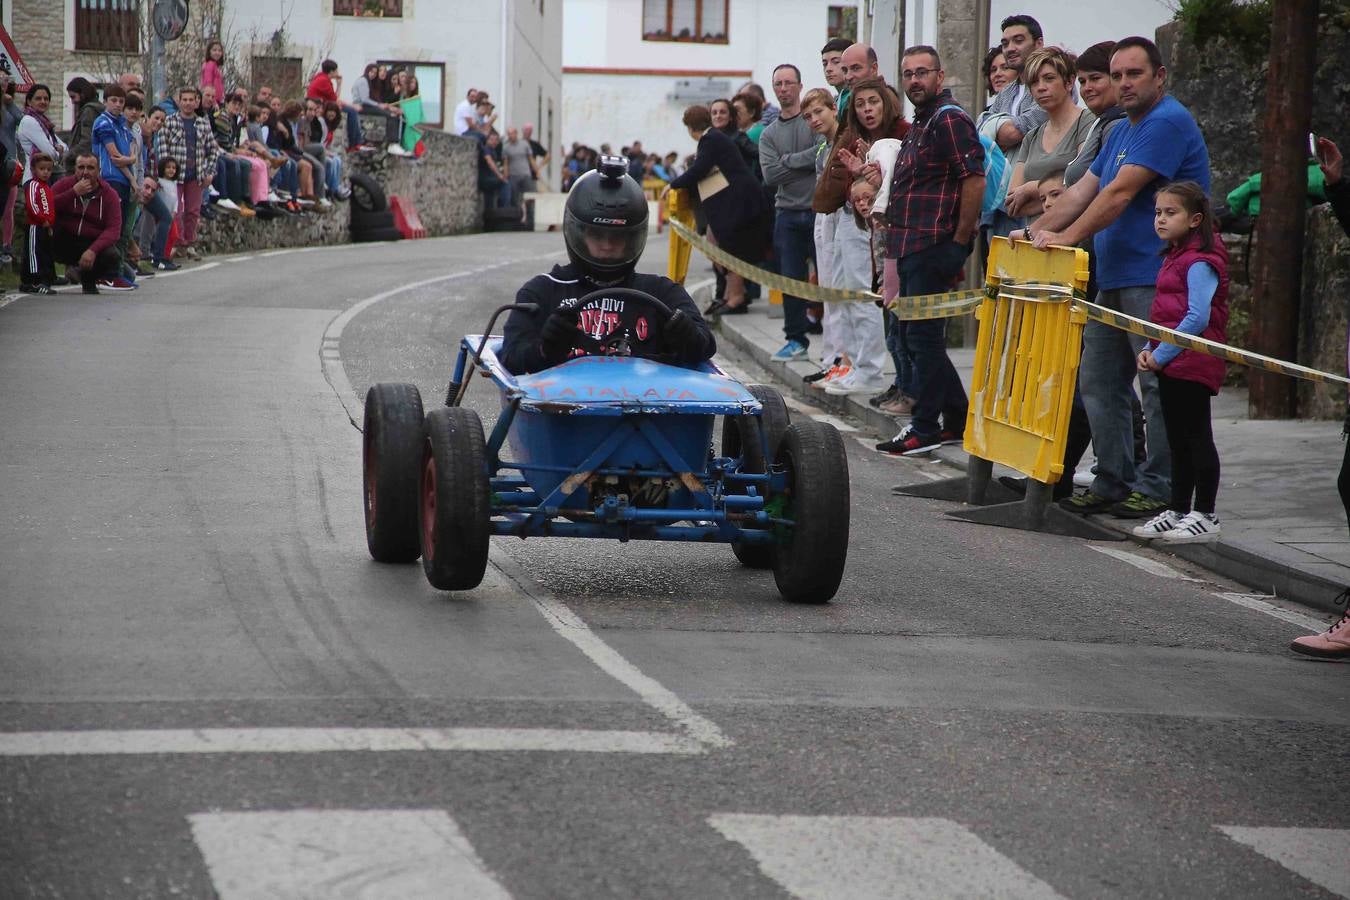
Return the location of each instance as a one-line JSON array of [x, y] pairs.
[[158, 80]]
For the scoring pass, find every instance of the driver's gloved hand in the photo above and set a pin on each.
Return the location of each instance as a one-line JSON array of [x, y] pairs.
[[559, 335], [682, 335]]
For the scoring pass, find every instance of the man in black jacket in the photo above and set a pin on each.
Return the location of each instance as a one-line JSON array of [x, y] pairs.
[[605, 229]]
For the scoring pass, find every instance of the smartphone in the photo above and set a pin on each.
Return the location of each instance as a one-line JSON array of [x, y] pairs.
[[1312, 144]]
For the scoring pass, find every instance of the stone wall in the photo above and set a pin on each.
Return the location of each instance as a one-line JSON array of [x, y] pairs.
[[443, 184], [1225, 91], [228, 233]]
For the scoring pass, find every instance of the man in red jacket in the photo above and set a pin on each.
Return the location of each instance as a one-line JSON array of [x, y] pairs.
[[88, 223]]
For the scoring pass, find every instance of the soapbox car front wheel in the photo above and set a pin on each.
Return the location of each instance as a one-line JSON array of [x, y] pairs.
[[746, 437], [809, 563], [391, 463], [455, 499]]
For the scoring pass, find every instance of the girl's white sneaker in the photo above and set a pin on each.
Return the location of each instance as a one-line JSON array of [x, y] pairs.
[[1157, 526], [1195, 528]]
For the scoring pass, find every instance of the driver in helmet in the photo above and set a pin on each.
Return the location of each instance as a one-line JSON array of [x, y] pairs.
[[605, 228]]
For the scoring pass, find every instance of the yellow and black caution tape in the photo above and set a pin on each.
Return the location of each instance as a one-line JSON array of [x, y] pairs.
[[955, 303], [922, 306], [1211, 348]]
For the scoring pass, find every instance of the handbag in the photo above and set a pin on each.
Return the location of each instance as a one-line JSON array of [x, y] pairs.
[[713, 183]]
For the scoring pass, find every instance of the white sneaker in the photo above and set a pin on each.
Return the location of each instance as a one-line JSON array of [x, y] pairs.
[[273, 197], [840, 384], [227, 204], [1195, 528], [857, 386], [396, 150], [1157, 526]]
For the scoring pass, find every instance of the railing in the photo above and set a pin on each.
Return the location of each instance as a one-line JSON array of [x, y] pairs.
[[109, 25]]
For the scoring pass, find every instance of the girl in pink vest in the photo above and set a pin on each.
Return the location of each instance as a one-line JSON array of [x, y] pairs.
[[1192, 298]]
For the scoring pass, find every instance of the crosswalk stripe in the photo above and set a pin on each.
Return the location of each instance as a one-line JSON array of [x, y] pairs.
[[1320, 855], [342, 853], [338, 740], [863, 857]]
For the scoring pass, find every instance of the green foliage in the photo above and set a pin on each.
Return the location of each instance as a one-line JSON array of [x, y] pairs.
[[1243, 23]]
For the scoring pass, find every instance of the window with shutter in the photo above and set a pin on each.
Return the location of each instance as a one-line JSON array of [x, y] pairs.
[[695, 21], [109, 25], [369, 8]]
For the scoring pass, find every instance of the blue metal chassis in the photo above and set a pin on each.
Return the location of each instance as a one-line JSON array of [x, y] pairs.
[[613, 417]]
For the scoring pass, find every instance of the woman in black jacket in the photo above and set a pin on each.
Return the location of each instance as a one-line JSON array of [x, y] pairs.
[[731, 198]]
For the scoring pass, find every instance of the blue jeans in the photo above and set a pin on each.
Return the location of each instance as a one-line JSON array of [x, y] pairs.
[[287, 177], [332, 170], [355, 135], [158, 210], [904, 365], [794, 243], [1106, 381], [938, 391], [232, 178]]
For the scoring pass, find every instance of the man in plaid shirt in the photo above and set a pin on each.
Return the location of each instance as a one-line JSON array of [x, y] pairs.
[[931, 218], [188, 138]]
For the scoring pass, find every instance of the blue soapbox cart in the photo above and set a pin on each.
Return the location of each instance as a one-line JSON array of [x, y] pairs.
[[604, 446]]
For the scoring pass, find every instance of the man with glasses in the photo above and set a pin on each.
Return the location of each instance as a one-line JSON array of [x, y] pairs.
[[931, 217], [787, 156]]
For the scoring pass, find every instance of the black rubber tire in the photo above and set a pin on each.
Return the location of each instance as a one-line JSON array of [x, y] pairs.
[[377, 234], [369, 221], [809, 564], [455, 502], [391, 465], [367, 193], [750, 432]]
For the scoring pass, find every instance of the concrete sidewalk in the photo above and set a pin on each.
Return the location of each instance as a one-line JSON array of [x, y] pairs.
[[1284, 529]]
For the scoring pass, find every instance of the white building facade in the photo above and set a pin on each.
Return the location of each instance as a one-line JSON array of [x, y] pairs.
[[510, 48], [629, 72]]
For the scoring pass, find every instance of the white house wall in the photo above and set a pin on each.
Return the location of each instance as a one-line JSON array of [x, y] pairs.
[[614, 106]]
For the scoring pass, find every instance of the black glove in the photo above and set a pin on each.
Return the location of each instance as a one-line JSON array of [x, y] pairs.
[[683, 337], [559, 335]]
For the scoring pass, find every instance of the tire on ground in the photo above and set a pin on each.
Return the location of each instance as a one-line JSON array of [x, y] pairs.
[[377, 234], [363, 220], [367, 193], [391, 464], [455, 501], [809, 564], [748, 436]]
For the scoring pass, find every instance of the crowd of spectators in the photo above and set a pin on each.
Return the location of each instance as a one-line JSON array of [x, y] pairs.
[[508, 168], [122, 196], [1085, 150]]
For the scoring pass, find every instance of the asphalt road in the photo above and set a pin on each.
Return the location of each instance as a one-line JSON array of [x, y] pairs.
[[207, 688]]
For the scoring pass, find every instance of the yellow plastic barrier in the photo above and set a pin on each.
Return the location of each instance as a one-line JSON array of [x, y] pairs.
[[678, 212], [1026, 357]]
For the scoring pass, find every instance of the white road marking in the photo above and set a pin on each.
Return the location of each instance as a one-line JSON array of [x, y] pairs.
[[862, 857], [187, 270], [1151, 566], [9, 298], [653, 693], [341, 853], [1256, 602], [1318, 854], [337, 740]]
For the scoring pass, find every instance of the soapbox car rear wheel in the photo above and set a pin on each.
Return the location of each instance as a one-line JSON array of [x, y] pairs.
[[454, 499], [746, 437], [391, 464], [809, 563]]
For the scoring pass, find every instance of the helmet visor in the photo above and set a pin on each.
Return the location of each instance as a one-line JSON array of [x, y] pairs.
[[606, 248]]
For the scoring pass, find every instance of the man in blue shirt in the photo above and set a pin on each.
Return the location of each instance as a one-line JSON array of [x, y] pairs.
[[112, 141], [1113, 204]]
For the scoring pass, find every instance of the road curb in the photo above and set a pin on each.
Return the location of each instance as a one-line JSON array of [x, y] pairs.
[[1229, 559]]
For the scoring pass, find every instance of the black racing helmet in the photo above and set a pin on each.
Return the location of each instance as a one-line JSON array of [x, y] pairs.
[[608, 206]]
